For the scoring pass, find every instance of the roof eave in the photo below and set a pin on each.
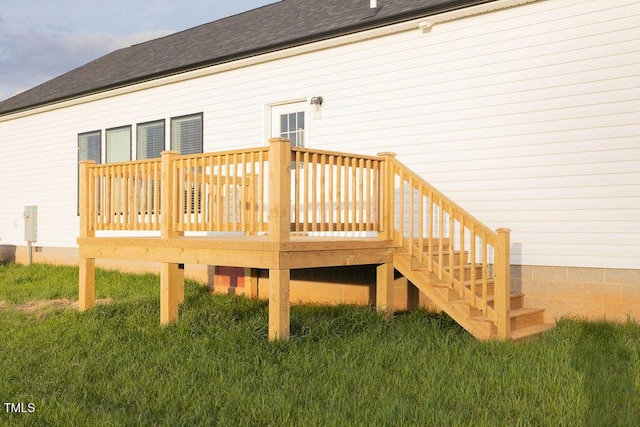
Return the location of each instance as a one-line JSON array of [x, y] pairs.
[[261, 51]]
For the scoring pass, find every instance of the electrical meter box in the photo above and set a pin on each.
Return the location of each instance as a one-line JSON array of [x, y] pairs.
[[31, 223]]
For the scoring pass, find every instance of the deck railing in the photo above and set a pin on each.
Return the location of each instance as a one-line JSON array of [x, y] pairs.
[[123, 196], [450, 242], [279, 189], [223, 191], [229, 192], [335, 191]]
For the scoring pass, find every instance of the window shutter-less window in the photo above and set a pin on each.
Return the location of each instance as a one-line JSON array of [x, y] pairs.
[[150, 140], [89, 146], [186, 134], [119, 144]]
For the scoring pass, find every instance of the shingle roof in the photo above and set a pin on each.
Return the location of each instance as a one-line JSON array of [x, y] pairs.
[[268, 28]]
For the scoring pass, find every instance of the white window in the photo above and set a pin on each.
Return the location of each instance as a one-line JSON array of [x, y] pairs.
[[289, 121], [186, 134], [90, 146], [119, 144], [150, 140]]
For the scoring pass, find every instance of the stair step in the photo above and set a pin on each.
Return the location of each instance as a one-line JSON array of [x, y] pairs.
[[524, 322], [464, 304], [525, 317], [457, 257], [517, 299], [435, 243], [418, 266], [467, 270], [530, 331]]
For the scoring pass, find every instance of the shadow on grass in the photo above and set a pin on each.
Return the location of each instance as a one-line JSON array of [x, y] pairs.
[[605, 357], [308, 322]]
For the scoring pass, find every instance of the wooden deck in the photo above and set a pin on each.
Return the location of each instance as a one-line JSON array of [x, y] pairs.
[[247, 251], [294, 208]]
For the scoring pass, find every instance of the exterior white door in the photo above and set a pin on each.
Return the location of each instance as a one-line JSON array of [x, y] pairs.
[[289, 121]]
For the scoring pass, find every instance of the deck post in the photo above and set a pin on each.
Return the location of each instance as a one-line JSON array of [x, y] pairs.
[[87, 266], [384, 288], [250, 282], [171, 291], [87, 288], [279, 310], [167, 196], [388, 196], [503, 283], [279, 189], [171, 274], [279, 231]]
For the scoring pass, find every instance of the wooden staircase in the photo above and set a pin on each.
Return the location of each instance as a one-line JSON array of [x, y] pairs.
[[459, 263], [524, 322]]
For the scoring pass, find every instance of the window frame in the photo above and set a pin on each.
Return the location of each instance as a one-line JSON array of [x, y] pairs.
[[80, 135], [173, 120], [273, 117], [164, 137], [106, 143]]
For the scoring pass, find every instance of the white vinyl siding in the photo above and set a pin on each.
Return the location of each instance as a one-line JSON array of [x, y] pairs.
[[527, 117], [118, 144]]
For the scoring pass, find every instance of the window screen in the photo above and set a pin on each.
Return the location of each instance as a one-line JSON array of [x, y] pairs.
[[150, 140], [119, 144], [186, 134], [89, 146]]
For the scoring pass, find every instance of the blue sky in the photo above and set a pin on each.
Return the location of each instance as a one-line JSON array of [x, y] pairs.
[[41, 39]]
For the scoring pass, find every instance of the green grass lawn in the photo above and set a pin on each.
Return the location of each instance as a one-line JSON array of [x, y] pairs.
[[346, 365]]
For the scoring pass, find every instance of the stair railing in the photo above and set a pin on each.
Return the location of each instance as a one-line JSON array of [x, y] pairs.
[[441, 236]]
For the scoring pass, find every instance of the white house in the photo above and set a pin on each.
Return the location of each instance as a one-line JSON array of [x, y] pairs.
[[526, 113]]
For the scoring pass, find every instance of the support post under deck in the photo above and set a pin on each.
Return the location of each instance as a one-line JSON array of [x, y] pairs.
[[279, 310], [251, 283], [87, 266], [384, 288], [171, 291], [87, 288], [279, 229]]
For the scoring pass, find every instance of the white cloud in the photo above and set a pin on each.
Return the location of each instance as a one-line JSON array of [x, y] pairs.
[[40, 40], [28, 57]]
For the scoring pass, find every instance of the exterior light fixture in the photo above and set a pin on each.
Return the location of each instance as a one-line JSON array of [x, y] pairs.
[[316, 100]]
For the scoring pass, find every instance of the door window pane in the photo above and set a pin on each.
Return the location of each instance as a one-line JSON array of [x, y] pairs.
[[292, 127]]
